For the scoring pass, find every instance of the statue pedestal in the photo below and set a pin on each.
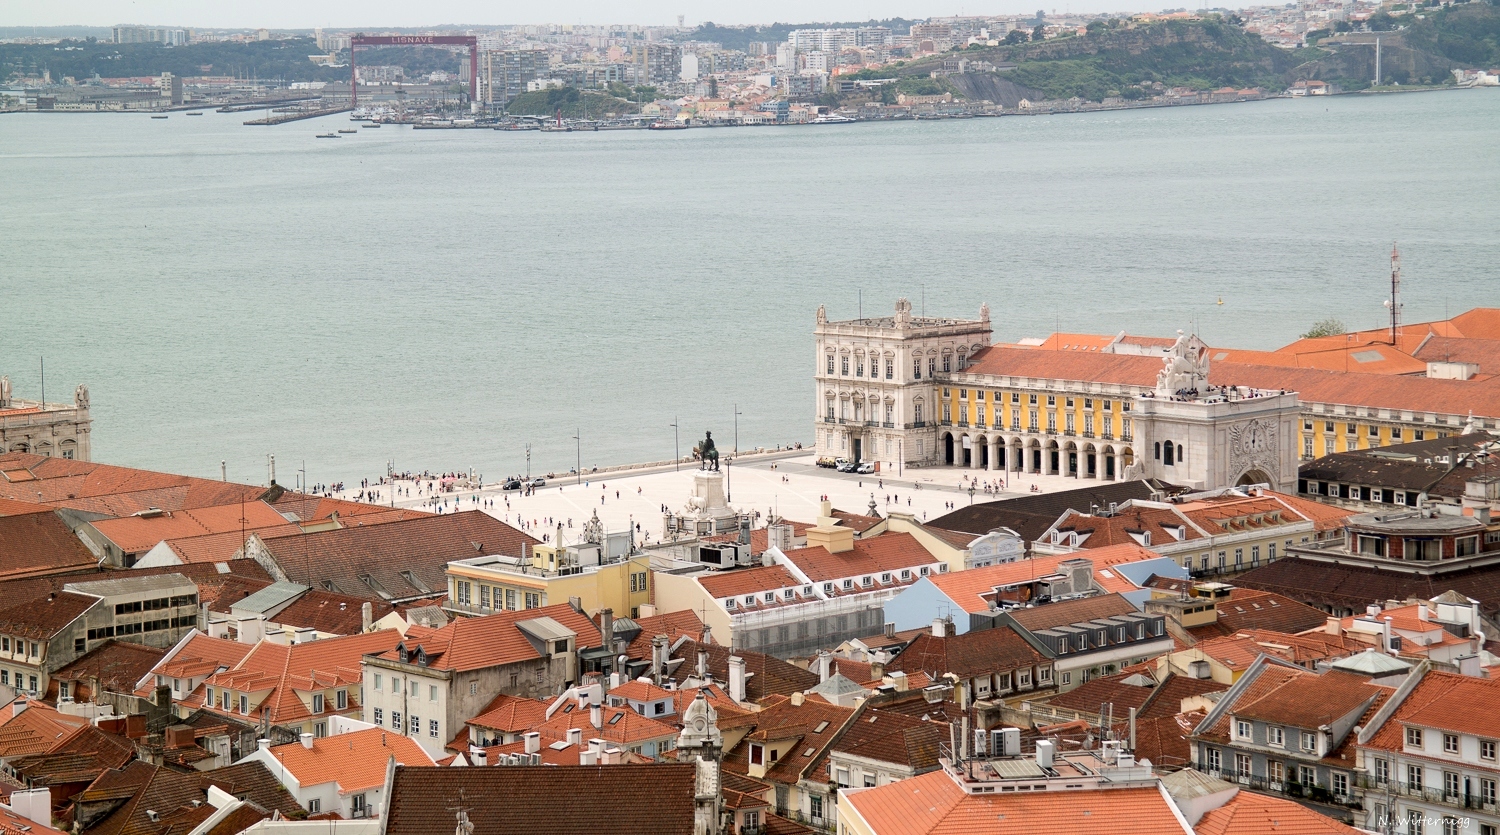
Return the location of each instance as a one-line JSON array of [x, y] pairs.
[[706, 513]]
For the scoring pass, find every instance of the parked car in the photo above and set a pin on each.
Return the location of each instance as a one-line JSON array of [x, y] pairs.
[[847, 467], [511, 484], [539, 482], [827, 462], [866, 468]]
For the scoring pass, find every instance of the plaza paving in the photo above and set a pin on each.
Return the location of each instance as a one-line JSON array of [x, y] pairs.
[[787, 484]]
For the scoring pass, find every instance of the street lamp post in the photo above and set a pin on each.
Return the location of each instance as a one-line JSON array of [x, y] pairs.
[[578, 451], [971, 494], [728, 481], [737, 414], [676, 447], [528, 463]]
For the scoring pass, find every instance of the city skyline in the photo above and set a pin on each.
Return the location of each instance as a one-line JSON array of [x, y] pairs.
[[344, 14]]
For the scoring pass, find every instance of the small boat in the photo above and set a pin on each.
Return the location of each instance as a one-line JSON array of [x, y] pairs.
[[372, 125], [348, 130], [328, 136], [666, 125], [195, 113], [158, 117], [833, 119]]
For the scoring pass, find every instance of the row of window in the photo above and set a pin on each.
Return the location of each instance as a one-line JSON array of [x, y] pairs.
[[33, 650], [21, 677], [1035, 399], [142, 627], [1222, 560], [859, 367], [1275, 736], [156, 604], [497, 597], [416, 687], [1415, 737], [1453, 782], [867, 581], [226, 700]]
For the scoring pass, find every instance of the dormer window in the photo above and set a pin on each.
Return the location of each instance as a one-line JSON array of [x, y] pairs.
[[828, 588], [868, 581], [788, 594], [770, 597], [885, 578], [317, 703], [906, 573], [848, 585], [922, 571], [749, 600]]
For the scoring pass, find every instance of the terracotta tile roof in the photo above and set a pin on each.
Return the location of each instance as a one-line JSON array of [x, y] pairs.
[[1164, 739], [282, 672], [1484, 353], [1417, 394], [1167, 698], [767, 676], [859, 523], [774, 824], [893, 738], [1010, 361], [37, 729], [1356, 586], [1248, 813], [671, 624], [111, 490], [133, 534], [780, 720], [511, 714], [12, 822], [329, 613], [39, 620], [620, 725], [974, 653], [492, 640], [558, 800], [736, 582], [1310, 700], [399, 560], [564, 755], [1130, 526], [319, 508], [82, 756], [934, 804], [974, 589], [886, 552], [1118, 690], [11, 507], [1068, 612], [149, 788], [1354, 357], [640, 691], [1031, 515], [40, 543], [1256, 609], [356, 761], [760, 537], [1076, 342], [1446, 702], [201, 655], [115, 665]]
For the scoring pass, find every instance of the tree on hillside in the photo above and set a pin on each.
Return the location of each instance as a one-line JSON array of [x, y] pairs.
[[1040, 32], [1016, 36], [1325, 327]]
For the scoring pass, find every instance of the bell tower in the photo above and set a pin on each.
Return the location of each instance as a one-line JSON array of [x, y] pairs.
[[701, 743]]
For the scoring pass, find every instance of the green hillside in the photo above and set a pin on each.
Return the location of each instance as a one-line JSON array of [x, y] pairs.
[[574, 104]]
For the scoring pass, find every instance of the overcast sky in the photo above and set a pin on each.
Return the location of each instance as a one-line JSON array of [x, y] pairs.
[[305, 14]]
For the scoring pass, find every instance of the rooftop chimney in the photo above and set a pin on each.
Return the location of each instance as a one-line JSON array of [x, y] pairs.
[[702, 664], [737, 678], [596, 716], [939, 629], [607, 628], [659, 655], [1044, 752], [18, 706], [825, 665], [263, 744], [366, 617], [1334, 626], [587, 757], [533, 741], [307, 740], [575, 736]]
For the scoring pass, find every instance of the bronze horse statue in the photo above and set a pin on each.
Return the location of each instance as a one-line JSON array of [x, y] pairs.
[[707, 453]]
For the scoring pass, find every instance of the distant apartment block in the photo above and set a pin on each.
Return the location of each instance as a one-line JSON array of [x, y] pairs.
[[151, 34]]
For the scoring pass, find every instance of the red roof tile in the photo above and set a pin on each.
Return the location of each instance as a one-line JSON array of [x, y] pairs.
[[492, 640], [886, 552]]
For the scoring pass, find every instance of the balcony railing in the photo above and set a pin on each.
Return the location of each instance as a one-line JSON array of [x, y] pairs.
[[1428, 794], [918, 424], [1289, 788], [888, 425], [829, 419]]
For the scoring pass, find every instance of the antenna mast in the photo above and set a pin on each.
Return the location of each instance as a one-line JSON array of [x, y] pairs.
[[1395, 302]]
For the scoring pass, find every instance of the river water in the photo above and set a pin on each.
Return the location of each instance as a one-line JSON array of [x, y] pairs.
[[442, 298]]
